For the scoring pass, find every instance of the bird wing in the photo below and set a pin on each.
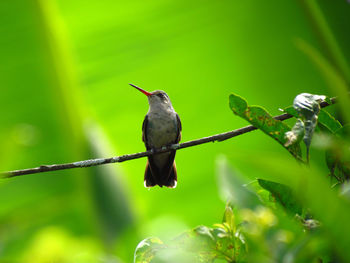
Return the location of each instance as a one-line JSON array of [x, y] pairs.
[[144, 131], [169, 170], [166, 176], [179, 128]]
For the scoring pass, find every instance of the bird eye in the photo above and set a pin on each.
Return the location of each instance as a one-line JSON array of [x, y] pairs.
[[161, 95]]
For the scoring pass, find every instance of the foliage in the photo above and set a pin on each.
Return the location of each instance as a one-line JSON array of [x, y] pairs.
[[307, 107], [261, 119], [283, 194], [202, 244], [265, 232], [337, 157], [64, 71]]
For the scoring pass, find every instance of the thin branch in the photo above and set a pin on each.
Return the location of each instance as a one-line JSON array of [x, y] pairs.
[[118, 159]]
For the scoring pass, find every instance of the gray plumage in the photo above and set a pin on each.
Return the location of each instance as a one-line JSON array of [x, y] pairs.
[[161, 127]]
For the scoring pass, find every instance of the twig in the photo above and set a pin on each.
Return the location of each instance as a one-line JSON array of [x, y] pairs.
[[118, 159]]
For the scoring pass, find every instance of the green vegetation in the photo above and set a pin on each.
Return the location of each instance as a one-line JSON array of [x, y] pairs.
[[64, 74], [286, 226]]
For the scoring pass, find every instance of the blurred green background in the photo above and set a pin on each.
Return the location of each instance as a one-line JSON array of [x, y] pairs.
[[64, 74]]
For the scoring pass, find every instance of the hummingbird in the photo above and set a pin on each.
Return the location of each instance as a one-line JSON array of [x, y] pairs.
[[161, 127]]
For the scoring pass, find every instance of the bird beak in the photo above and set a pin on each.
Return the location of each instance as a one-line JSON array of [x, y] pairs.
[[143, 91]]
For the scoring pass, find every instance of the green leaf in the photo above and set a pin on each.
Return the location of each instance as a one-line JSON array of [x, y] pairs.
[[262, 120], [290, 110], [229, 218], [338, 156], [202, 241], [324, 118], [283, 194], [215, 243], [147, 249], [314, 192], [204, 232], [328, 121], [232, 187], [237, 104]]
